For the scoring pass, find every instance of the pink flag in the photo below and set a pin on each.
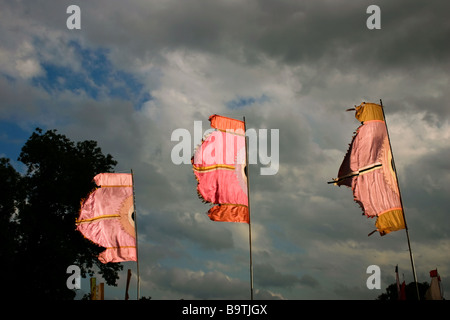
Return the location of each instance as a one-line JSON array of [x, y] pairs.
[[106, 217], [219, 166], [367, 169]]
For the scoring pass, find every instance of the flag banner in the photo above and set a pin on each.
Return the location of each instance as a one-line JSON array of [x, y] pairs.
[[367, 169], [106, 217], [401, 288], [433, 273], [434, 291], [219, 165]]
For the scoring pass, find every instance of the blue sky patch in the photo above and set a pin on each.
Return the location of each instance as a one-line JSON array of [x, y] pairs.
[[98, 78], [242, 102], [12, 139]]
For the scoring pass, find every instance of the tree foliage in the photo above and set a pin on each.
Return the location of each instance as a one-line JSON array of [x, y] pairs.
[[38, 212], [410, 291]]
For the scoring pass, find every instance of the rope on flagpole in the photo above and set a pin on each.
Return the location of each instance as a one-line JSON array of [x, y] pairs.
[[401, 203]]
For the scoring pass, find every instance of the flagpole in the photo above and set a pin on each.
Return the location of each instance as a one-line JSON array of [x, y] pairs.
[[249, 223], [136, 232], [128, 284], [401, 203]]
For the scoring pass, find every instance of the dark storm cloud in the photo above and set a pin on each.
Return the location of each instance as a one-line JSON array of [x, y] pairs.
[[333, 33], [327, 32], [267, 276], [187, 284], [172, 228]]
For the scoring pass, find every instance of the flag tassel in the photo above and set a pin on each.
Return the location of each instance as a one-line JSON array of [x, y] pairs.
[[401, 203], [249, 220]]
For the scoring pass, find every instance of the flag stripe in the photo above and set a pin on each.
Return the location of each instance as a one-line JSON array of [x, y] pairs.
[[213, 167], [106, 216]]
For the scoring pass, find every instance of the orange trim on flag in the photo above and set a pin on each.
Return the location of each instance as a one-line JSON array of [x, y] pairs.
[[229, 213], [225, 123], [389, 221], [369, 111]]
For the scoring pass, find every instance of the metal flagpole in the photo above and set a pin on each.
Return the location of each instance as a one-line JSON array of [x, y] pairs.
[[401, 203], [136, 232], [249, 224]]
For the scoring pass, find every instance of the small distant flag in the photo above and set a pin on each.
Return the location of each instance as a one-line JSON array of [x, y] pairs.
[[219, 165], [367, 169], [434, 292], [106, 217], [401, 292]]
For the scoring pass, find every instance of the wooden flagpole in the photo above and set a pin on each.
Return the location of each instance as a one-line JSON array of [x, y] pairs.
[[401, 203], [93, 283], [136, 232], [128, 284], [101, 290], [249, 221]]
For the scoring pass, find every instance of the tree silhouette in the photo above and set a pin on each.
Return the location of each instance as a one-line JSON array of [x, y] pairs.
[[410, 291], [38, 212]]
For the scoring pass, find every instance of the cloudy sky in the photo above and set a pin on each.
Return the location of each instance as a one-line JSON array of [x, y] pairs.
[[138, 70]]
